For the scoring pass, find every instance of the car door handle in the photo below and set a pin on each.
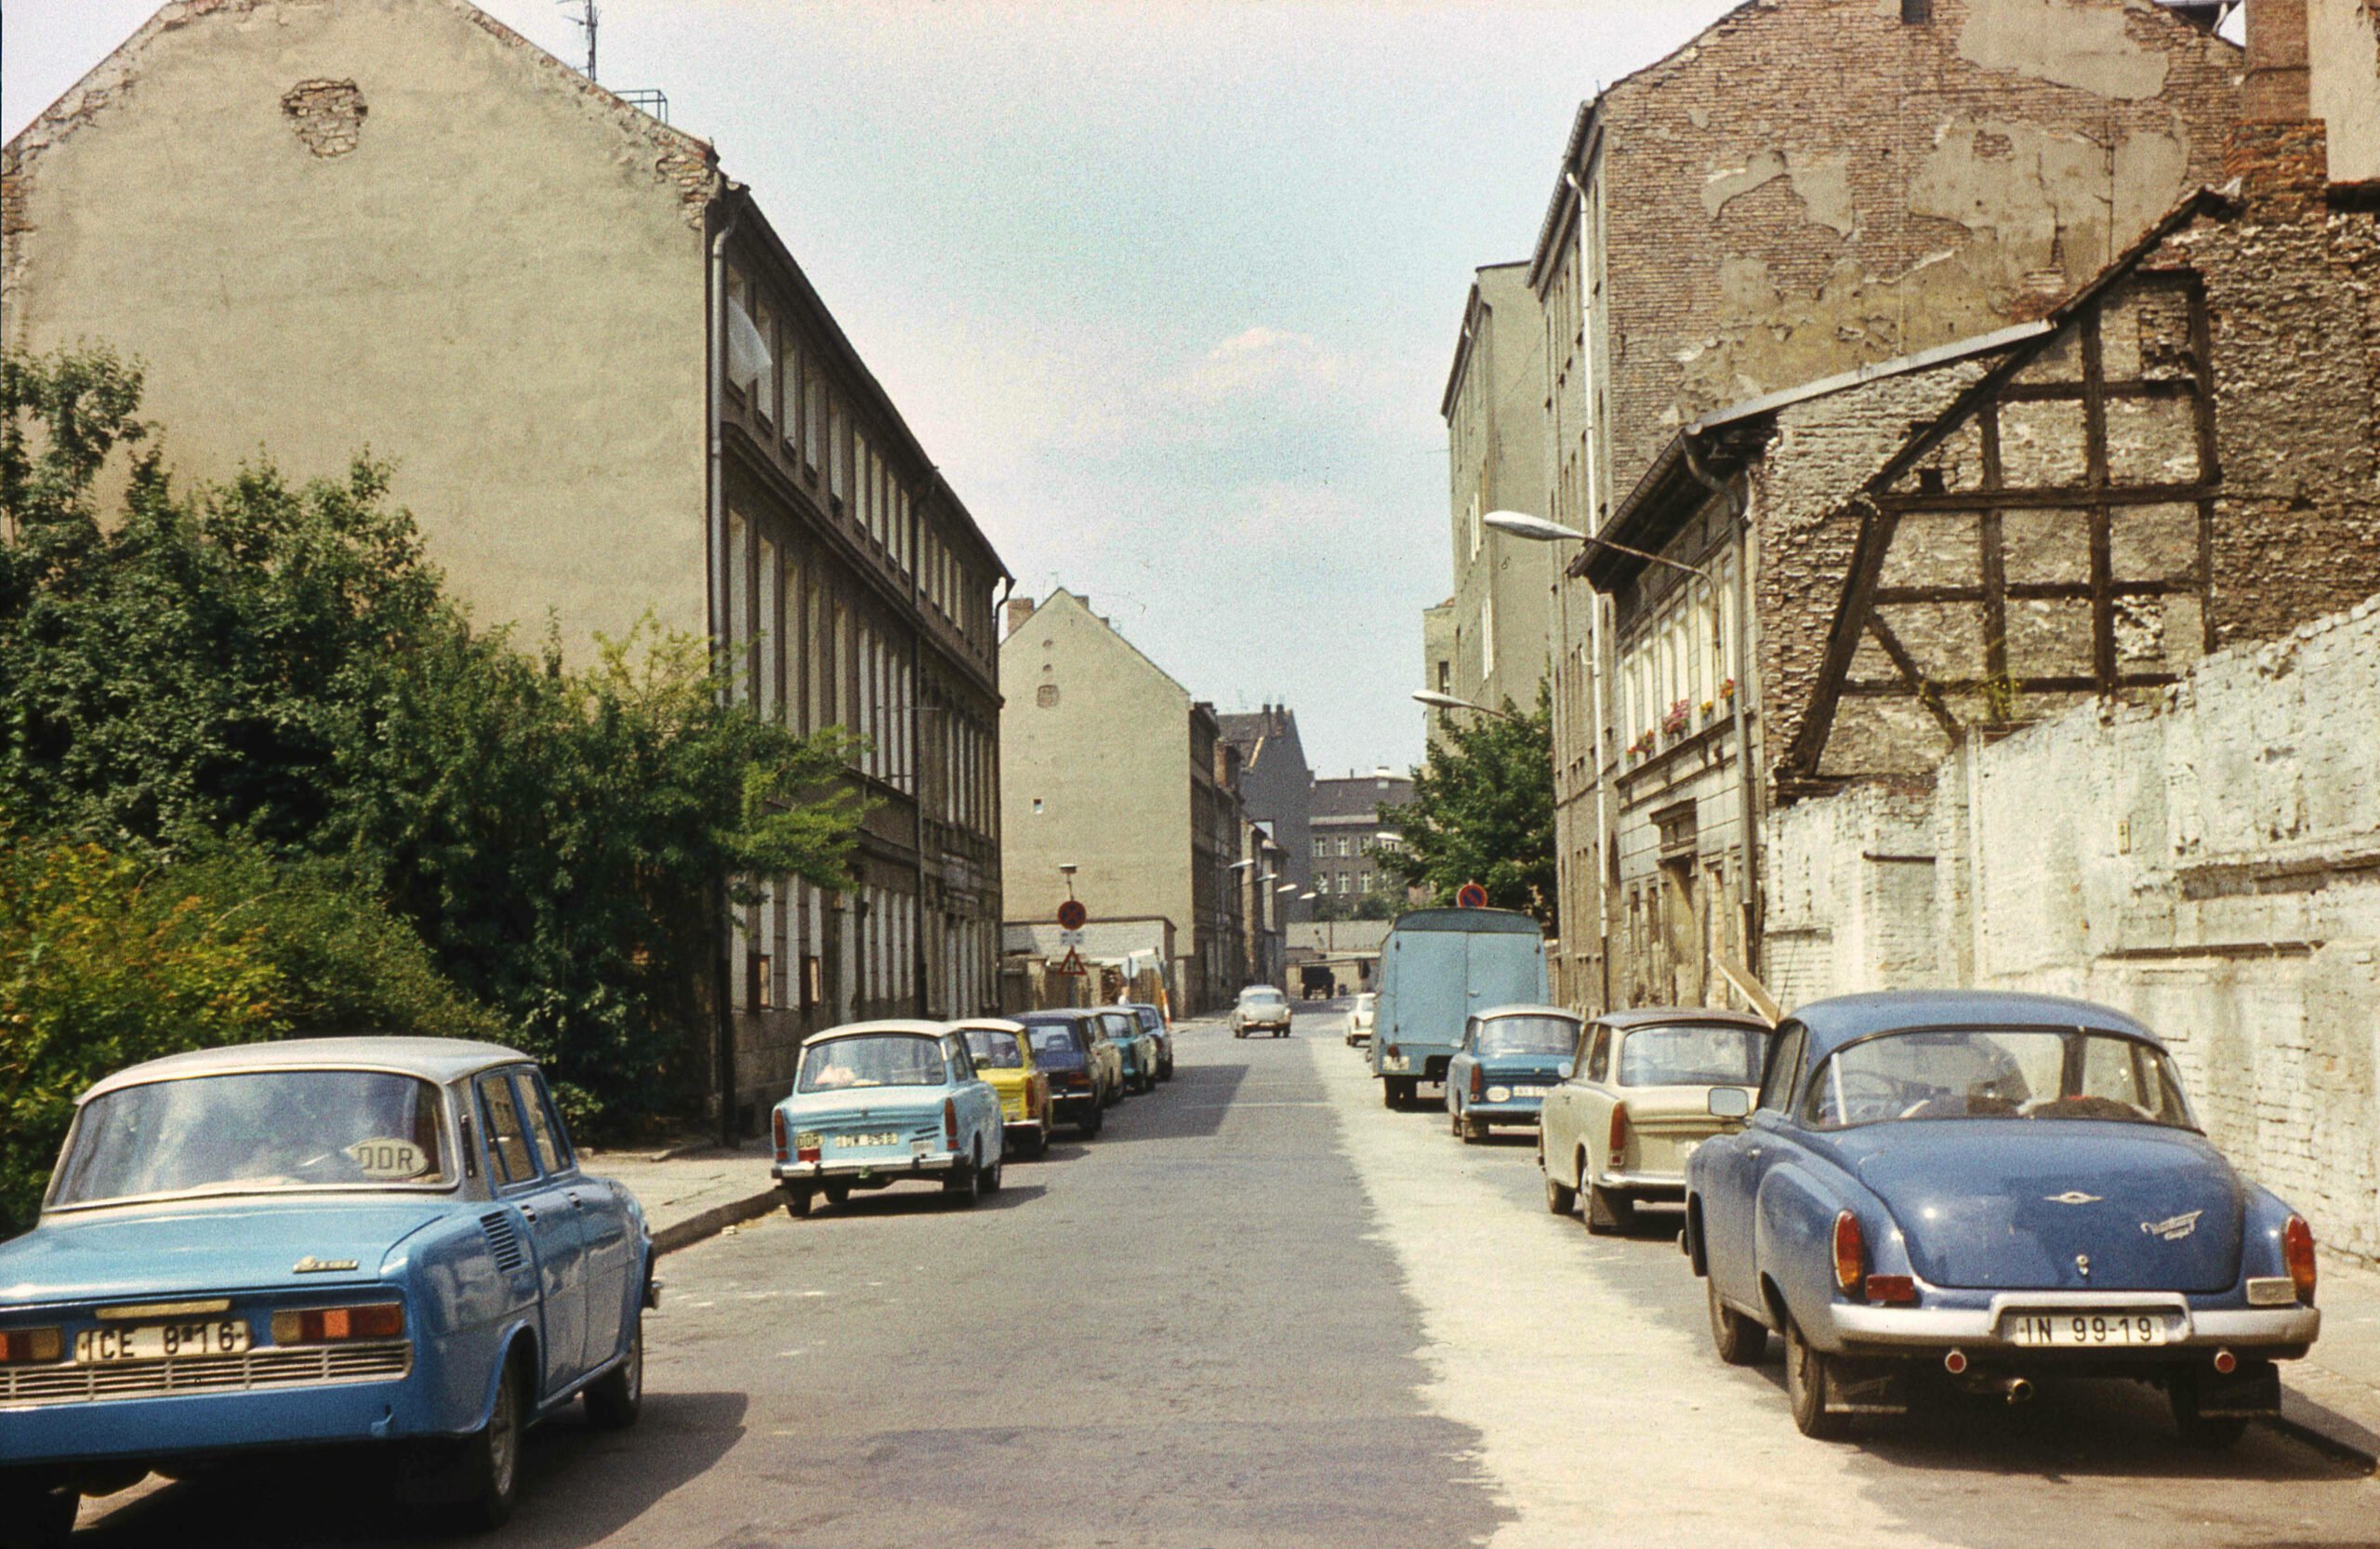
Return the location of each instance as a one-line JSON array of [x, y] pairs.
[[1752, 1152], [572, 1196], [529, 1211]]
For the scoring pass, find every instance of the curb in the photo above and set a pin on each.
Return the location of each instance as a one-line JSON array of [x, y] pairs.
[[708, 1223]]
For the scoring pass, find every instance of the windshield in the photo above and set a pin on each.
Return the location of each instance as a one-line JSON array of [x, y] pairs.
[[882, 1060], [1260, 998], [1054, 1044], [1978, 1073], [995, 1049], [1692, 1056], [1529, 1035], [260, 1130], [1151, 1019]]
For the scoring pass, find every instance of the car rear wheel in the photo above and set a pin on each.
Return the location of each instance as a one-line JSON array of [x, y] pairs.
[[1092, 1125], [39, 1516], [1560, 1198], [797, 1202], [483, 1481], [1740, 1341], [964, 1186], [2206, 1433], [614, 1399], [1810, 1374], [991, 1176], [838, 1193], [1474, 1131]]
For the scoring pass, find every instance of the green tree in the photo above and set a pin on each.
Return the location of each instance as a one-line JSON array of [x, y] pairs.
[[261, 674], [1482, 812]]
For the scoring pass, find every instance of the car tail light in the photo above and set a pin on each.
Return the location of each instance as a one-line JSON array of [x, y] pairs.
[[1891, 1288], [1392, 1052], [1479, 1084], [777, 1126], [329, 1325], [2297, 1252], [1850, 1254], [950, 1122], [2226, 1363], [1618, 1134], [23, 1346]]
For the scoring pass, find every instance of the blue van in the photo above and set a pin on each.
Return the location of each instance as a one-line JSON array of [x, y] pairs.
[[1437, 968]]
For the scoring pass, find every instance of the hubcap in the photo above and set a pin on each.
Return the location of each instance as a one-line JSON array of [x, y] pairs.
[[503, 1439], [636, 1364]]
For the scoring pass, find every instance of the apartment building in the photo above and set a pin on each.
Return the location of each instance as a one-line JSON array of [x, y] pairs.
[[1808, 188], [1355, 828], [609, 392], [1121, 794], [1277, 786], [1503, 630]]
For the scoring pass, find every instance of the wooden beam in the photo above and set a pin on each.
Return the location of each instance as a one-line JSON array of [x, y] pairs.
[[1911, 673], [2061, 497]]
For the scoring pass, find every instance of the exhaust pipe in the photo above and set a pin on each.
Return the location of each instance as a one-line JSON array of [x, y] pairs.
[[2017, 1390]]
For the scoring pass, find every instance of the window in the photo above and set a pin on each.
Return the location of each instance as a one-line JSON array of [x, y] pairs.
[[1321, 846], [550, 1154], [791, 370], [765, 386], [1916, 12], [508, 1145], [534, 1082], [815, 400], [838, 465], [1599, 1057]]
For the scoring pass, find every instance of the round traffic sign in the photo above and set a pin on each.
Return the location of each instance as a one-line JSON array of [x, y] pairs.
[[1071, 914], [1471, 895]]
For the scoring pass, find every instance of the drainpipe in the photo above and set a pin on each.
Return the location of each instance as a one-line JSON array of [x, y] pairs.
[[1747, 786], [715, 391]]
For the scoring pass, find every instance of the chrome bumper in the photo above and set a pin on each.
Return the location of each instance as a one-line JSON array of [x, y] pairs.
[[2185, 1328], [889, 1167]]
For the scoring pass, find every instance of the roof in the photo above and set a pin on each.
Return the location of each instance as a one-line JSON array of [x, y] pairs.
[[1359, 795], [892, 1025], [1835, 1022], [432, 1059], [987, 1024], [1669, 1016], [1524, 1008], [1476, 921]]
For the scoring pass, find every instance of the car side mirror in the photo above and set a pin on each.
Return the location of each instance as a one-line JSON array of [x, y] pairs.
[[1565, 1069], [1729, 1103]]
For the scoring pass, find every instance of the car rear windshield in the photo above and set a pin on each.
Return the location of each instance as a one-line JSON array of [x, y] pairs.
[[1997, 1073], [995, 1049], [1529, 1035], [872, 1060], [1693, 1055], [1260, 998], [1152, 1019], [1054, 1044], [257, 1132]]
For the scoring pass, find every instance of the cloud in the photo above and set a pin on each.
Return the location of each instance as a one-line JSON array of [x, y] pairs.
[[1262, 362]]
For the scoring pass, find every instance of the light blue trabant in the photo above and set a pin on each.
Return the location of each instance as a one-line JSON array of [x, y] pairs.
[[1509, 1058], [876, 1103], [361, 1240], [2000, 1188]]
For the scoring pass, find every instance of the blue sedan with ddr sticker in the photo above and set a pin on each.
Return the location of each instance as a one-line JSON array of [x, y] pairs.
[[380, 1242]]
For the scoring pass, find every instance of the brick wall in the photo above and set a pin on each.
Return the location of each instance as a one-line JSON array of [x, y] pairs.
[[2210, 863]]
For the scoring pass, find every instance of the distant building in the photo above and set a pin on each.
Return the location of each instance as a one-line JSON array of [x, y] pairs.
[[1349, 836], [1276, 785], [1503, 630], [1108, 766], [608, 391], [1437, 664]]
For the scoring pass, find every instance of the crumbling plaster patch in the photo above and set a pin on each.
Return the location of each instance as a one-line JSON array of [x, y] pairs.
[[1823, 182], [2048, 196], [2343, 46], [2091, 47]]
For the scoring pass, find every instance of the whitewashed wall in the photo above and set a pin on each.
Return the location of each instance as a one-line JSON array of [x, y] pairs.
[[2210, 864]]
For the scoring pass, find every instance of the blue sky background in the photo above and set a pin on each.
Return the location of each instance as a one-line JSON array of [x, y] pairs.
[[1169, 290]]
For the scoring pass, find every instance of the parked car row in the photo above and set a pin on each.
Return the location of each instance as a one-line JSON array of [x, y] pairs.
[[876, 1104], [1949, 1188]]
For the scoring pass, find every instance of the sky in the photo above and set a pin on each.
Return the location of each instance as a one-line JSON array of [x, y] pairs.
[[1169, 291]]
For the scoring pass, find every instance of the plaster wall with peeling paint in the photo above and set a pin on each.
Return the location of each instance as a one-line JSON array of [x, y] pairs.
[[325, 228]]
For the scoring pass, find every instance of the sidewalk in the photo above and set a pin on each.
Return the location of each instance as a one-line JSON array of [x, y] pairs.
[[2332, 1397], [690, 1197]]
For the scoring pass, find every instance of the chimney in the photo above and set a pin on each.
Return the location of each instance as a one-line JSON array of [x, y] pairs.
[[1019, 610], [2276, 90]]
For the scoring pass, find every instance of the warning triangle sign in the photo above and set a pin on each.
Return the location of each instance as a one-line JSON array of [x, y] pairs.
[[1073, 964]]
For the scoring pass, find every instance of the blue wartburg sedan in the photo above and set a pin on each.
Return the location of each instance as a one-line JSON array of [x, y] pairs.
[[362, 1239], [880, 1103], [1992, 1187]]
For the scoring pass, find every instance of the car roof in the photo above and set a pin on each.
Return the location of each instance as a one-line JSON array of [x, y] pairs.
[[1523, 1008], [1835, 1022], [1477, 921], [895, 1025], [1057, 1013], [1638, 1016], [987, 1024], [432, 1059]]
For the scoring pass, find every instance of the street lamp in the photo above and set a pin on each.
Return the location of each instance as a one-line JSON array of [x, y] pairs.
[[1437, 701], [1289, 887]]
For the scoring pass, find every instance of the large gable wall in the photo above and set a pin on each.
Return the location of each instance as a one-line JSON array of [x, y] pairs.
[[1814, 185]]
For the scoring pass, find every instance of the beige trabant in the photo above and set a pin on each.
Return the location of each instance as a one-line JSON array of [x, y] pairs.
[[1637, 1101]]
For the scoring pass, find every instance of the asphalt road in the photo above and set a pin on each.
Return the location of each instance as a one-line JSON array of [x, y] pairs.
[[1260, 1310]]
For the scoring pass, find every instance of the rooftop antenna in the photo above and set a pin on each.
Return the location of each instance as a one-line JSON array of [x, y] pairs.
[[585, 19]]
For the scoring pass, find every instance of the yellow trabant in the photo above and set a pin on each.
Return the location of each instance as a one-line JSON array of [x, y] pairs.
[[1004, 1057]]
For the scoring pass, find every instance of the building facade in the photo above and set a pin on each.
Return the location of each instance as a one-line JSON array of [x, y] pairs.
[[1120, 792], [1355, 826], [609, 392], [1437, 664], [1503, 631], [1809, 188], [1275, 785]]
